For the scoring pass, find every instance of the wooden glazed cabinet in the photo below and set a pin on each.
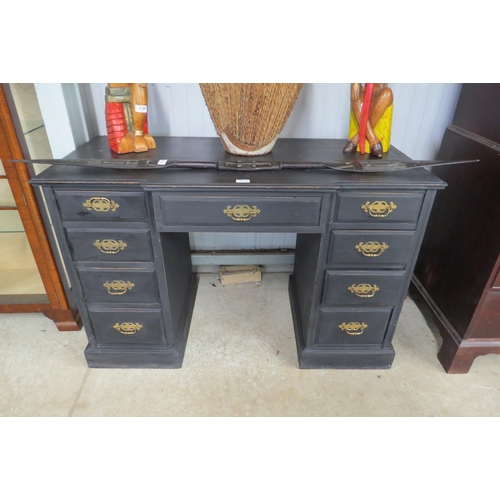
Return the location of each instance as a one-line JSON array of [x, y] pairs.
[[56, 307]]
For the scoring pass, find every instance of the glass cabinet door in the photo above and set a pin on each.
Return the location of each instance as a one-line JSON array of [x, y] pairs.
[[20, 281]]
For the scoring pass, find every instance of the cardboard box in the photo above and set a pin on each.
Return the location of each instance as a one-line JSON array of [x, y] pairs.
[[233, 275]]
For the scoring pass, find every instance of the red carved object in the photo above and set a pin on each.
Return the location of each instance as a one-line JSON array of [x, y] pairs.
[[126, 118]]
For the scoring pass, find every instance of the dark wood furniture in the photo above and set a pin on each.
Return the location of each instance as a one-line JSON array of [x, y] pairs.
[[125, 238], [457, 272], [56, 305]]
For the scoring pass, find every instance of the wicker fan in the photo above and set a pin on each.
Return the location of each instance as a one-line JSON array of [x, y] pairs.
[[249, 116]]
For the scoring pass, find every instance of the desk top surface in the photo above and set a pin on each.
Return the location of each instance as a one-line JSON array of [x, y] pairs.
[[209, 149]]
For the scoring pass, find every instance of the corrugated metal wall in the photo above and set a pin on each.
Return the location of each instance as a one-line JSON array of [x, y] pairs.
[[422, 111]]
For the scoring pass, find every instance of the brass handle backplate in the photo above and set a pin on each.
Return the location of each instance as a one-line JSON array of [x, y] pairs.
[[371, 248], [100, 204], [118, 287], [364, 290], [353, 328], [241, 212], [379, 208], [127, 328], [110, 246]]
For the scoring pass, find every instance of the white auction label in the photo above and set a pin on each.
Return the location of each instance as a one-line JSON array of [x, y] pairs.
[[243, 180], [162, 162], [141, 108]]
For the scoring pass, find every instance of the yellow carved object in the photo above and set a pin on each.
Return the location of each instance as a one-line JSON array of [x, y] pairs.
[[379, 119], [382, 130]]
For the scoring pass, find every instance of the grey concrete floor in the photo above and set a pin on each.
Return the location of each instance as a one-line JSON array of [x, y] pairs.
[[240, 361]]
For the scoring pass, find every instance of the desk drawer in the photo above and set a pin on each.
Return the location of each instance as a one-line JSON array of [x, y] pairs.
[[373, 207], [353, 326], [360, 288], [118, 286], [370, 249], [101, 205], [110, 245], [127, 326], [240, 211]]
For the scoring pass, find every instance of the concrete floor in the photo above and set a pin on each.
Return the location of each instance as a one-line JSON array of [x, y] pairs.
[[240, 361]]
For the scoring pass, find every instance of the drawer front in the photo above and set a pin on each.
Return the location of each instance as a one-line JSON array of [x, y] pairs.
[[127, 326], [110, 245], [370, 249], [373, 207], [240, 211], [101, 206], [117, 286], [362, 288], [353, 326]]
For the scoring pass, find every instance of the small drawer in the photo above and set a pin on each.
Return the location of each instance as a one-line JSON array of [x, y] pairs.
[[359, 288], [110, 245], [240, 211], [118, 286], [373, 207], [101, 205], [353, 326], [127, 326], [370, 249]]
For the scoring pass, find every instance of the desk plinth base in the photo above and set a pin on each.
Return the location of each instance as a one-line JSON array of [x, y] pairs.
[[358, 359], [132, 358], [340, 358]]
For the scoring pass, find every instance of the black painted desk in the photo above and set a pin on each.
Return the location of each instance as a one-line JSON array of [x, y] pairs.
[[124, 238]]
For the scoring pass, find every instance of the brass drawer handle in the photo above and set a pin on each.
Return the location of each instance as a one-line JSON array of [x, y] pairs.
[[110, 246], [241, 212], [379, 208], [371, 248], [364, 290], [100, 204], [127, 328], [353, 328], [118, 287]]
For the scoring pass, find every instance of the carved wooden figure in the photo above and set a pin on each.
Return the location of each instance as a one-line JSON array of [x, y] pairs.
[[126, 118], [378, 125]]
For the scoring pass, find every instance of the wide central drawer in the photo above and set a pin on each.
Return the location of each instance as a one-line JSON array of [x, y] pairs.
[[236, 211]]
